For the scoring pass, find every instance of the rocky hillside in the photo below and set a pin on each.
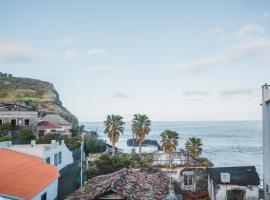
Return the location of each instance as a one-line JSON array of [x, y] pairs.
[[39, 95]]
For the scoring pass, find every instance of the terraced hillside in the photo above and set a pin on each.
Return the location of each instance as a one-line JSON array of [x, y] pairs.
[[39, 95]]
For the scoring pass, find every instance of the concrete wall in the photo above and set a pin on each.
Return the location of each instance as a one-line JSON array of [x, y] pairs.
[[67, 157], [219, 191], [266, 140], [19, 116], [5, 144], [51, 191]]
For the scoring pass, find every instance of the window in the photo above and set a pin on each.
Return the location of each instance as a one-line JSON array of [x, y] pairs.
[[55, 159], [235, 194], [44, 196], [188, 180], [48, 160], [1, 121], [13, 122], [26, 122], [59, 157]]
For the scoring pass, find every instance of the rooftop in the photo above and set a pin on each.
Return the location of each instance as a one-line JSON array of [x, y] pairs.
[[34, 150], [245, 175], [124, 184], [43, 125], [24, 176], [56, 119]]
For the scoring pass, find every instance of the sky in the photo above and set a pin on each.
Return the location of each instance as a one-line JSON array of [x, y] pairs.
[[172, 60]]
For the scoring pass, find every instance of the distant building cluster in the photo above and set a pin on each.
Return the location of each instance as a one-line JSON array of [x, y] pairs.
[[5, 75]]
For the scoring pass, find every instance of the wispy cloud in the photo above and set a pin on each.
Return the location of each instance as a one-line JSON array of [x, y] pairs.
[[196, 92], [70, 54], [237, 91], [16, 52], [119, 95], [249, 30], [100, 67], [97, 51], [249, 48], [219, 32]]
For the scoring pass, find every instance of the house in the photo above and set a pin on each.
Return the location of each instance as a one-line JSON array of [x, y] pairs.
[[18, 115], [239, 183], [45, 127], [161, 158], [26, 177], [124, 184], [193, 180], [266, 139], [58, 120], [56, 153]]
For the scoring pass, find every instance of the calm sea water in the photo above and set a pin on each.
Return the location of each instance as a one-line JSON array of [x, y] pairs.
[[236, 143]]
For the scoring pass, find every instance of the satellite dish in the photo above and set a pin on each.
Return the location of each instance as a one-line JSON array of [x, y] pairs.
[[225, 177]]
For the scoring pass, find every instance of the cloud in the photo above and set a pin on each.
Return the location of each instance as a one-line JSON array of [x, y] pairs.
[[120, 59], [100, 67], [219, 32], [237, 91], [98, 51], [14, 52], [253, 48], [119, 95], [196, 92], [198, 65], [249, 30], [70, 54]]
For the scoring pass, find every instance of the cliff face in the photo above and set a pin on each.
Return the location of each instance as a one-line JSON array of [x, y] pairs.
[[39, 95]]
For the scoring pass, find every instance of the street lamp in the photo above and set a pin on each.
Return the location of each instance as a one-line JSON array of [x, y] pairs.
[[82, 152]]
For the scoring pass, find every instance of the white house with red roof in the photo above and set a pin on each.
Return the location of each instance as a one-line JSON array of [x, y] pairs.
[[26, 177]]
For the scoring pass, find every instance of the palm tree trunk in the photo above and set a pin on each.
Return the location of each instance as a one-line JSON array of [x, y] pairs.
[[113, 148], [170, 172], [140, 149]]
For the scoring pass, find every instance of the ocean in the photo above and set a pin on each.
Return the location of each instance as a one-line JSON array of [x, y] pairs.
[[225, 143]]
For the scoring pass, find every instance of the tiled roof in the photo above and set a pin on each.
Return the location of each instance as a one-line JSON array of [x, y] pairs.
[[43, 125], [128, 184], [24, 176], [56, 119], [245, 175]]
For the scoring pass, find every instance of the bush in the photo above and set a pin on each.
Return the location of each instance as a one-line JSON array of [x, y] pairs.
[[46, 139], [94, 145], [5, 138], [26, 135]]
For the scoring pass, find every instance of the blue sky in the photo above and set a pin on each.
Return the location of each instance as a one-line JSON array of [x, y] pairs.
[[173, 60]]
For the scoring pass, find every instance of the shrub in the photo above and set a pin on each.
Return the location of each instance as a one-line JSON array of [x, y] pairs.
[[26, 135], [5, 138], [94, 145]]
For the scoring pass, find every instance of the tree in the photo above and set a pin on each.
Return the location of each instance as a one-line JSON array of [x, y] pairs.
[[169, 142], [114, 127], [140, 128], [194, 147]]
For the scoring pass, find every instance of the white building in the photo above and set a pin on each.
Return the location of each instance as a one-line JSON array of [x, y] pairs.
[[241, 183], [161, 158], [17, 115], [56, 153], [58, 120], [26, 177], [266, 140]]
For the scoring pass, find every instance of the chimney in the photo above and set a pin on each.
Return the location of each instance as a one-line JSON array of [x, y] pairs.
[[33, 142]]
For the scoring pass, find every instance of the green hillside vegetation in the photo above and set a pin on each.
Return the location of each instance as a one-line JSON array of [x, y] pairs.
[[37, 94]]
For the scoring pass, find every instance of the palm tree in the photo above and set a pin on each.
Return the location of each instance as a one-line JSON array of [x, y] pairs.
[[194, 147], [169, 142], [140, 128], [114, 127]]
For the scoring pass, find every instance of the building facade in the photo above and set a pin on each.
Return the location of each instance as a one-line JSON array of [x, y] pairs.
[[266, 140], [26, 177], [56, 153], [17, 115], [241, 183]]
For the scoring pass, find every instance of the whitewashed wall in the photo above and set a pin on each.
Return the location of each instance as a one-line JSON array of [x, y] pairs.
[[51, 190]]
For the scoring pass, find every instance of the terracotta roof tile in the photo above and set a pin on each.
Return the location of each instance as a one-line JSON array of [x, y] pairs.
[[24, 176]]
